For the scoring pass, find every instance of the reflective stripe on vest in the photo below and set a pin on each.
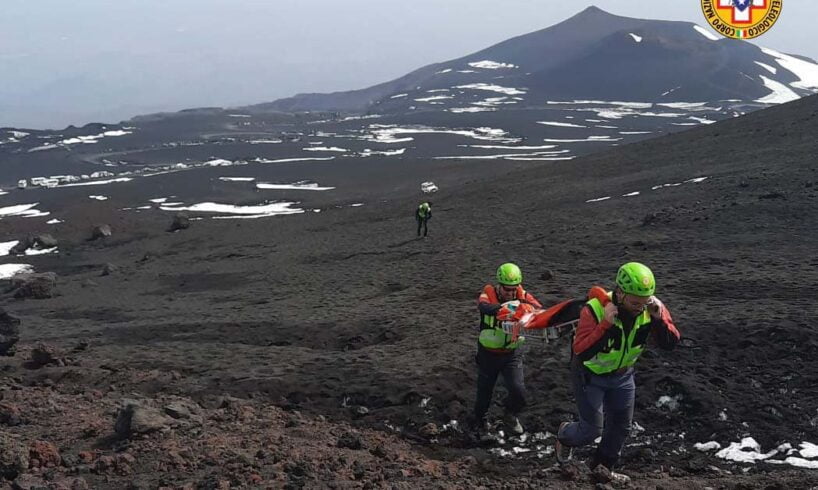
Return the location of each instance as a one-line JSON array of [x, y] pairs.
[[612, 358], [492, 337]]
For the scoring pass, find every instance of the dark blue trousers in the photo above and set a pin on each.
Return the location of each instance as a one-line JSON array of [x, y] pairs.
[[605, 405]]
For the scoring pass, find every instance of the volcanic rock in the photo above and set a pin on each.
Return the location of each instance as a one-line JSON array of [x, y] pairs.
[[181, 221], [42, 454], [35, 285], [22, 246], [10, 414], [45, 241], [109, 269], [45, 355], [182, 409], [13, 456], [100, 231], [350, 440], [429, 430], [9, 333], [135, 419]]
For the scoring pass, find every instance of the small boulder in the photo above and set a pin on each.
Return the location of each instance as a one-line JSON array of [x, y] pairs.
[[22, 246], [100, 231], [109, 269], [182, 410], [429, 430], [43, 454], [135, 419], [35, 285], [45, 355], [379, 452], [45, 241], [350, 440], [181, 221], [9, 333]]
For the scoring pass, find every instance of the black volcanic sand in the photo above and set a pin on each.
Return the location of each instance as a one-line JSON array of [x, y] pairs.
[[324, 313]]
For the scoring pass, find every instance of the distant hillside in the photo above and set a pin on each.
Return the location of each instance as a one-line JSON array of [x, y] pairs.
[[593, 55]]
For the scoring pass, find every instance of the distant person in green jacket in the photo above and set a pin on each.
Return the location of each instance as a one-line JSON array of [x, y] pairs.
[[422, 216]]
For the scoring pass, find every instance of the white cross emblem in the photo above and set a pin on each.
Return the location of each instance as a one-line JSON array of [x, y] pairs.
[[742, 9]]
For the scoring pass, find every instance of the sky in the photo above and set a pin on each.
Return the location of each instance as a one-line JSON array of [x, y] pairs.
[[108, 60]]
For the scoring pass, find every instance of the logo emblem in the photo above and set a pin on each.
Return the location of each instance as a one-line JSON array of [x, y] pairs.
[[741, 19]]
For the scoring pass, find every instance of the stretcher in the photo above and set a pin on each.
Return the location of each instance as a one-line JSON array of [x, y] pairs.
[[549, 324]]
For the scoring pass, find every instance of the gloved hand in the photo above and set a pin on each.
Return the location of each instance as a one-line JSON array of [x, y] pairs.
[[507, 310], [611, 311], [655, 307]]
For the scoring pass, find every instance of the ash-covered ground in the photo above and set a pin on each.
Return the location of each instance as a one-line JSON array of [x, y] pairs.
[[334, 349]]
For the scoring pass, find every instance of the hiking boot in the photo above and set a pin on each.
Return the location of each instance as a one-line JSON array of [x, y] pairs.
[[602, 474], [561, 451], [620, 478], [482, 431], [513, 424]]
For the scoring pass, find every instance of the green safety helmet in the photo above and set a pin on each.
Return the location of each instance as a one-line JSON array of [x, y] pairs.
[[509, 274], [636, 279]]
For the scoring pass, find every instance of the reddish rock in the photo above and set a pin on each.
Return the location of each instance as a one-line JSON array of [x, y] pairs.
[[44, 453], [429, 430], [254, 479], [87, 457], [125, 458], [105, 463]]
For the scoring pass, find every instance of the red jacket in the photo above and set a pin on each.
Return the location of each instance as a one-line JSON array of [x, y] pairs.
[[489, 302], [591, 336]]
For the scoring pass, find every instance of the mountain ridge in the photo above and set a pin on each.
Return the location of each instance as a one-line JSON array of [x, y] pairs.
[[578, 52]]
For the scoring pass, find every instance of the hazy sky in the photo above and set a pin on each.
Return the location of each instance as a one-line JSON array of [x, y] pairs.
[[73, 62]]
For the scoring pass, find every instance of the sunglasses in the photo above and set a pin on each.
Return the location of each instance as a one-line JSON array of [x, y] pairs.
[[636, 302], [509, 289]]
